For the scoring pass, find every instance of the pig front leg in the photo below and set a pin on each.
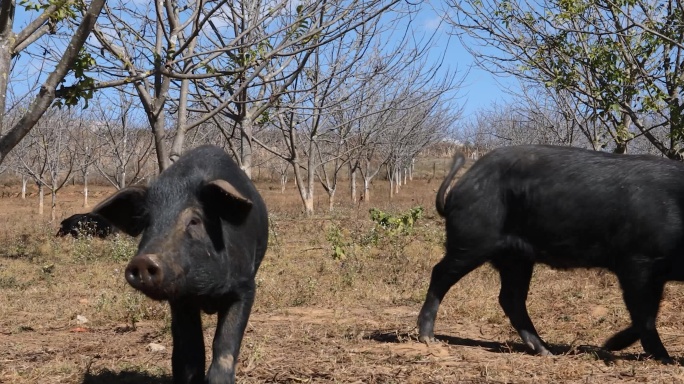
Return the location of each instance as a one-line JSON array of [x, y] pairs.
[[230, 328], [187, 359]]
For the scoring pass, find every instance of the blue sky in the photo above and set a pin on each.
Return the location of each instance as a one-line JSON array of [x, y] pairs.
[[480, 89]]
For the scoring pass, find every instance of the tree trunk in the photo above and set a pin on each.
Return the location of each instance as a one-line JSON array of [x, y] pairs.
[[41, 195], [331, 200], [24, 181], [154, 106], [309, 204], [397, 180], [283, 182], [53, 204], [122, 165], [411, 168], [307, 196], [394, 179], [623, 135], [85, 189], [352, 185], [179, 140], [305, 190], [366, 190], [158, 130], [246, 146], [391, 186], [7, 38]]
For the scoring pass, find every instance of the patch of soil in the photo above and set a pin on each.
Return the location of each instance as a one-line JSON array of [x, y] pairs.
[[317, 345]]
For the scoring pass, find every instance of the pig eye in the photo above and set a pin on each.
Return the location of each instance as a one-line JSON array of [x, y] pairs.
[[193, 227], [194, 221]]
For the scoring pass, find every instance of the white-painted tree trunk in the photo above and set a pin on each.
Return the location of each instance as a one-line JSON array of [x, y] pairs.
[[41, 196], [24, 181]]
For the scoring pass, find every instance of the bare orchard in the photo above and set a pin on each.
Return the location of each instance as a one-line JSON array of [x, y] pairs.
[[337, 301]]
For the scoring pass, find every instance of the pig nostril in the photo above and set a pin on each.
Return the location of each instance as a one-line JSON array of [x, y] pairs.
[[133, 272], [144, 273]]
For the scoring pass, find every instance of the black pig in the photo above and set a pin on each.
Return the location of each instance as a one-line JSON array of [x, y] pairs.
[[204, 233], [85, 224], [567, 208]]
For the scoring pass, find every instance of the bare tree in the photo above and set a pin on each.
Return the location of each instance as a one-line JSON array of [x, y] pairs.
[[529, 120], [126, 146], [202, 60], [50, 160], [311, 114], [417, 127], [388, 129], [85, 147], [278, 167], [71, 60]]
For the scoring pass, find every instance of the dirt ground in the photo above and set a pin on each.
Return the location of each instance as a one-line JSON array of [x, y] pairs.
[[68, 316]]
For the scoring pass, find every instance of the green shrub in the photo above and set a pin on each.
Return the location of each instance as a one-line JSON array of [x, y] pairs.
[[395, 224]]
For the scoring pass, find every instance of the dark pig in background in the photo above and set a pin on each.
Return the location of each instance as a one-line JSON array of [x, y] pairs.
[[85, 224], [204, 233], [567, 208]]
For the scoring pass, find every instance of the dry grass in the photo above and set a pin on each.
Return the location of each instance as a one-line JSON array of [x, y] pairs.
[[318, 318]]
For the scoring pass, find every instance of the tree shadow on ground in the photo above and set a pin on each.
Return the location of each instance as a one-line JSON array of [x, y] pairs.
[[599, 353], [124, 377]]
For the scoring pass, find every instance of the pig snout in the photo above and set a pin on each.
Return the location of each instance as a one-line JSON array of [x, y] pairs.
[[145, 274]]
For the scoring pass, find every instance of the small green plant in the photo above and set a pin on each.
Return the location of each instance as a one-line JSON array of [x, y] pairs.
[[395, 224], [83, 249], [391, 235], [117, 248], [133, 304], [122, 248], [337, 243]]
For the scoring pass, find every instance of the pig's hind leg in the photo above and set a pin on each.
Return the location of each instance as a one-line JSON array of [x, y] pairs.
[[516, 273]]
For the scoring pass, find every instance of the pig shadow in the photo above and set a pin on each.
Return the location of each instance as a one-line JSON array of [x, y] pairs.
[[124, 377], [598, 353]]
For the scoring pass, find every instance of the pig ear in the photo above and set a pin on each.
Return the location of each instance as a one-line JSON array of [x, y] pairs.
[[224, 198], [125, 210]]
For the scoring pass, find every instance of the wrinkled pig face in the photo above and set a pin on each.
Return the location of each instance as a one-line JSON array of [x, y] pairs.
[[178, 256], [183, 248]]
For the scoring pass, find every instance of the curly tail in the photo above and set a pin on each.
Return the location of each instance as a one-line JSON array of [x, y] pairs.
[[459, 159]]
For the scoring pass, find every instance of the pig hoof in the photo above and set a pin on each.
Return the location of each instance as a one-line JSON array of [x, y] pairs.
[[545, 352], [427, 339]]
